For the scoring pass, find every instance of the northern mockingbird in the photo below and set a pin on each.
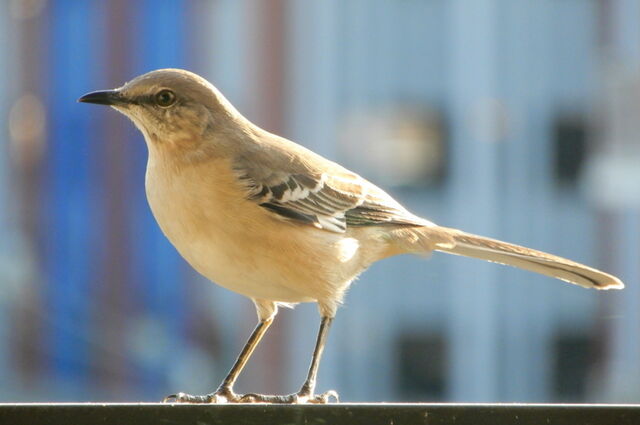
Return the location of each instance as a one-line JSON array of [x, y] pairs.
[[271, 220]]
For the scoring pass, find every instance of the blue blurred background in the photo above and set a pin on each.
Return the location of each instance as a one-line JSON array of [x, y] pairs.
[[516, 120]]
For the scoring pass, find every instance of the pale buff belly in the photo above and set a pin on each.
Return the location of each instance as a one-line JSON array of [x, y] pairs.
[[249, 273], [240, 246]]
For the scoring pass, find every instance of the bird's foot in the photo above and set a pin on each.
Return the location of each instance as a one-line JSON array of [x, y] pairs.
[[221, 396], [225, 395], [297, 398]]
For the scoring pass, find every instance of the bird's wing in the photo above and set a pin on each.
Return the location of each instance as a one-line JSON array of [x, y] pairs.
[[311, 190]]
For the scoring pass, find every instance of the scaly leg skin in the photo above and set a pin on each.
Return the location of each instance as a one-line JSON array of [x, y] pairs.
[[225, 394], [306, 393]]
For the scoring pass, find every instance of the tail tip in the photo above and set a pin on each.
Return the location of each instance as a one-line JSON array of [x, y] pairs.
[[613, 283]]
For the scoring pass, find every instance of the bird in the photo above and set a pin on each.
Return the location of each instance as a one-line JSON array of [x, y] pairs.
[[269, 219]]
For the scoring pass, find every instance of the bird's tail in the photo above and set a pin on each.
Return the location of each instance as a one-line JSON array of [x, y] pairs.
[[468, 245]]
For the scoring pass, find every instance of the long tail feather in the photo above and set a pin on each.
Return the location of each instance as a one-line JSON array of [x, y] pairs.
[[496, 251]]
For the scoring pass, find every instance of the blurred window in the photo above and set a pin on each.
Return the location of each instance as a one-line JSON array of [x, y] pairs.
[[396, 145], [421, 366], [571, 357], [570, 134]]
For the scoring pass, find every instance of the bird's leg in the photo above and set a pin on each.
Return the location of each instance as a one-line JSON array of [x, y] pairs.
[[306, 393], [224, 393], [309, 386]]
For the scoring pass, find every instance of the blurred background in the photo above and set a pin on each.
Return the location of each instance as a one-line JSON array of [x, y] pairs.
[[516, 120]]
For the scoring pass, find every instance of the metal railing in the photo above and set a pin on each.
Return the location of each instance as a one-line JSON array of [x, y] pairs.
[[332, 414]]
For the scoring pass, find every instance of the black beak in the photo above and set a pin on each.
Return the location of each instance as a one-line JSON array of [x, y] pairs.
[[104, 97]]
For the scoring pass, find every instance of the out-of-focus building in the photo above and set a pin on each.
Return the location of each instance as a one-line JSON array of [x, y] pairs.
[[509, 119]]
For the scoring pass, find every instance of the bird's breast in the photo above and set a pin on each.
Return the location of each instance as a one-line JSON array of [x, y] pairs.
[[195, 210]]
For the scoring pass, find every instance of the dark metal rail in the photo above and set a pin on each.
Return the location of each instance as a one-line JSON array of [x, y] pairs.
[[333, 414]]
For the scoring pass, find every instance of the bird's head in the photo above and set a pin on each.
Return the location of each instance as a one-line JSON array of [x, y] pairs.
[[173, 108]]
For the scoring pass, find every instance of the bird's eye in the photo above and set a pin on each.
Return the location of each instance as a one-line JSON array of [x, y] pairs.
[[165, 98]]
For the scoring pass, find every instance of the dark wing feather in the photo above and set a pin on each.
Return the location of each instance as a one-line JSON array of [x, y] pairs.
[[327, 201]]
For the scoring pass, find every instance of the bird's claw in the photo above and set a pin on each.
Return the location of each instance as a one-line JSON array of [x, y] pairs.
[[219, 397], [326, 397]]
